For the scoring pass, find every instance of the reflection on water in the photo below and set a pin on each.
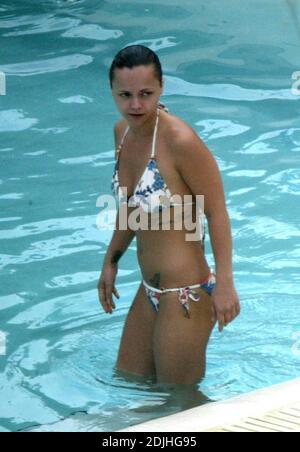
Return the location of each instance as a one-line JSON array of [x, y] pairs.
[[175, 397]]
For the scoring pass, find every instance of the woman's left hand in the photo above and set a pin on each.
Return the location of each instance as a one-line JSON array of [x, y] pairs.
[[226, 303]]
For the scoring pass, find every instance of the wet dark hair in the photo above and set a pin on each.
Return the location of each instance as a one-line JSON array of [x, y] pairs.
[[135, 55]]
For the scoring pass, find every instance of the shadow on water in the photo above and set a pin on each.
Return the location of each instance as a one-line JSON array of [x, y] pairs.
[[173, 397]]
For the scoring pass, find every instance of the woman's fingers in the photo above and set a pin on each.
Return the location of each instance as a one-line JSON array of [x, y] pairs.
[[228, 317], [109, 300], [221, 320], [102, 296], [105, 295], [116, 293], [112, 301], [225, 315], [213, 314]]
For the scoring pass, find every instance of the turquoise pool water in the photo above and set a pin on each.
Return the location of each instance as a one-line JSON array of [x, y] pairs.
[[229, 75]]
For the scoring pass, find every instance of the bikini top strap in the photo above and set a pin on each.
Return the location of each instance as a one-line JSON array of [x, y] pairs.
[[153, 142], [155, 134], [122, 141]]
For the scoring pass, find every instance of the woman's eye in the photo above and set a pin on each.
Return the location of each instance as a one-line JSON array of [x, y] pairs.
[[127, 94]]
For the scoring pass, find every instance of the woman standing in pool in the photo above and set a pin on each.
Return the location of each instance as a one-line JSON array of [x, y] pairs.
[[180, 298]]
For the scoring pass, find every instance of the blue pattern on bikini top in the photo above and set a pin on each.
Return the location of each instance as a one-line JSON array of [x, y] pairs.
[[151, 183], [151, 186], [150, 190]]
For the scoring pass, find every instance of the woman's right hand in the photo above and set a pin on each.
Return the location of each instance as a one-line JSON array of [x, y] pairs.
[[106, 287]]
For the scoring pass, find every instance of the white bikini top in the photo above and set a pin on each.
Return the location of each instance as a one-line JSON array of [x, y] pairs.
[[151, 191]]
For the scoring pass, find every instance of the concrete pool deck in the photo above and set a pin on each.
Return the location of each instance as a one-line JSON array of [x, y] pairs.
[[272, 409]]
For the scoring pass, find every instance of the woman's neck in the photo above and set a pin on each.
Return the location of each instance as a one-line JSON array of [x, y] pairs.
[[145, 130]]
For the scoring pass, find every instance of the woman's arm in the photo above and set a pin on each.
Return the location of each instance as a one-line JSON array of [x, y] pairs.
[[117, 247], [200, 172], [221, 242], [106, 284], [120, 241]]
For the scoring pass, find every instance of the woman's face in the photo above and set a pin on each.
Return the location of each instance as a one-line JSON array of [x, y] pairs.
[[136, 91]]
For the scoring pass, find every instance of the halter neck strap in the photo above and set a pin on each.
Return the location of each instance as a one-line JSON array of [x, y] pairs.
[[155, 135]]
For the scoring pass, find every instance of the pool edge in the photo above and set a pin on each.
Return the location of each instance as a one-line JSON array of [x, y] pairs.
[[217, 415]]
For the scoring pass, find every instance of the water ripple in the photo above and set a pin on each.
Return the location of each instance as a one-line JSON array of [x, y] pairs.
[[50, 65], [178, 86], [95, 32], [15, 121], [230, 78]]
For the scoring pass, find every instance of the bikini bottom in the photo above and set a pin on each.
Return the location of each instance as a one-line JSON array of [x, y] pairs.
[[184, 293]]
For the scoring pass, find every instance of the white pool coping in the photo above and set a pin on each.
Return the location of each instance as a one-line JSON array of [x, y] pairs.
[[215, 416]]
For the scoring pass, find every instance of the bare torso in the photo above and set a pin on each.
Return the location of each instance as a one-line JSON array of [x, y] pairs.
[[165, 257]]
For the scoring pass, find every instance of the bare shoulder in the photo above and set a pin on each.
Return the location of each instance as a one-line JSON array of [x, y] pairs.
[[184, 140], [179, 129], [119, 128], [197, 166]]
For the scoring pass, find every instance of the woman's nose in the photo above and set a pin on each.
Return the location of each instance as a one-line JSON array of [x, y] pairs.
[[135, 103]]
